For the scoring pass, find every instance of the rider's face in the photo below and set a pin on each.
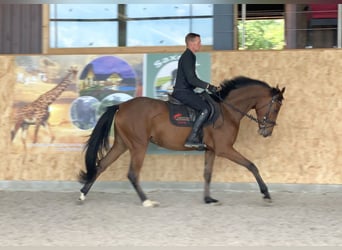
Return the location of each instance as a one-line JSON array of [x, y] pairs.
[[195, 44]]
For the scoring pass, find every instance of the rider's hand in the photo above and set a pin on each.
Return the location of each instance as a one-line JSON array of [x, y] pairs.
[[213, 89]]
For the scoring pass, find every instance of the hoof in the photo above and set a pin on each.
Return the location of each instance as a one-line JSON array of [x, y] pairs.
[[212, 201], [149, 203], [82, 197], [267, 198]]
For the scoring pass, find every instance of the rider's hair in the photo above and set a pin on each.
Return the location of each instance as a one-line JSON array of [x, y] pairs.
[[190, 37]]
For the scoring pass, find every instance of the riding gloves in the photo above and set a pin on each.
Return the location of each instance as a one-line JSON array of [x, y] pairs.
[[213, 89]]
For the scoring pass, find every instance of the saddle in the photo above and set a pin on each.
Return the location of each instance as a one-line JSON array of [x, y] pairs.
[[185, 116]]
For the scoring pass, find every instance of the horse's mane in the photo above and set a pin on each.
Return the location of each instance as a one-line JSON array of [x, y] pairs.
[[228, 85]]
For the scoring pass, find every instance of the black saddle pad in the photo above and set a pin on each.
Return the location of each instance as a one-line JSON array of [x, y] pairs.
[[181, 115], [184, 116]]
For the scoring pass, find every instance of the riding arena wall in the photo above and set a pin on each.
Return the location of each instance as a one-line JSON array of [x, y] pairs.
[[305, 148]]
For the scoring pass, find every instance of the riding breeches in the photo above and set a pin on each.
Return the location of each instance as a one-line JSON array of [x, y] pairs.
[[191, 99]]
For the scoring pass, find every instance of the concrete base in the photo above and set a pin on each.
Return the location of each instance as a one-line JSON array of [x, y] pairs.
[[125, 186]]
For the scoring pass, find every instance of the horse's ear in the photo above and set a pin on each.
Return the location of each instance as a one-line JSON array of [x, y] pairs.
[[282, 90]]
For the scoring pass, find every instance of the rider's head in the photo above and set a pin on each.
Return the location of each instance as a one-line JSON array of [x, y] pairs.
[[193, 42]]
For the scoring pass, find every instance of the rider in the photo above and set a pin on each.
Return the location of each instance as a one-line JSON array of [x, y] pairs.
[[186, 82]]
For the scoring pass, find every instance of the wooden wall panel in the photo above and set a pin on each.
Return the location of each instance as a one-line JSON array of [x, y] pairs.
[[304, 148], [7, 83], [20, 28]]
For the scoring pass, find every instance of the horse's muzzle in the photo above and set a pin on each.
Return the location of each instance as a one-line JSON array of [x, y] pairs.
[[265, 132]]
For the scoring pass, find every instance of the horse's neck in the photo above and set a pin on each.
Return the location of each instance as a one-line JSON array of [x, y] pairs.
[[242, 100]]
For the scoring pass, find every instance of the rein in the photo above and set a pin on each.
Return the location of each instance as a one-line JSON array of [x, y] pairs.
[[261, 123]]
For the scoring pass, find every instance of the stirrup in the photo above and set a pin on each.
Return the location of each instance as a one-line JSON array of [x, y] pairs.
[[194, 145]]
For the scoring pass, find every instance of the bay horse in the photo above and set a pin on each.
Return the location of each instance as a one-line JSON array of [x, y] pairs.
[[144, 120]]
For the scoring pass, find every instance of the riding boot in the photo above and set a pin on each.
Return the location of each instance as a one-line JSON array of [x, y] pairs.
[[194, 140]]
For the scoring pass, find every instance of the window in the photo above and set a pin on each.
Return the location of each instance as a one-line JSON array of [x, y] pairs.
[[111, 25], [262, 26], [83, 25], [262, 34]]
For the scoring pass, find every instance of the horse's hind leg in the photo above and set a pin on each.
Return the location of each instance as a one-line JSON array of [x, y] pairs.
[[114, 153], [208, 170], [137, 158]]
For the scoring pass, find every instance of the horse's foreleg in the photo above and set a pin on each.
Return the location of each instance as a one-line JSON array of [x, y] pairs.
[[236, 157], [135, 166], [208, 170], [263, 188]]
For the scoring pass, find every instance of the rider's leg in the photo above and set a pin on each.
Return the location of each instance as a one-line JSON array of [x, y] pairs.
[[194, 140]]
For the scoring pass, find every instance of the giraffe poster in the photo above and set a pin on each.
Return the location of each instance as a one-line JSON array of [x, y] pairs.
[[58, 99]]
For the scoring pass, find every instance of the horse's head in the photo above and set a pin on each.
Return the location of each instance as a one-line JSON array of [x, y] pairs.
[[267, 111]]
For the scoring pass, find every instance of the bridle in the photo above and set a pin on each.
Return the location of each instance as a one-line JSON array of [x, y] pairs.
[[265, 122]]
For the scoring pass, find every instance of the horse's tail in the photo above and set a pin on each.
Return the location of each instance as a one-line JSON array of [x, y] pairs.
[[97, 144]]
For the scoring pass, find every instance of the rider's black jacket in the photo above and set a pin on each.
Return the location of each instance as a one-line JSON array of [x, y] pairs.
[[186, 73]]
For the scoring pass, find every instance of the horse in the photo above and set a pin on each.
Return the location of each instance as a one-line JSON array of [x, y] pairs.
[[144, 120]]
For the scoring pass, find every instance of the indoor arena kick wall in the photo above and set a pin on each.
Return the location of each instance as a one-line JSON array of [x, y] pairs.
[[305, 146]]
